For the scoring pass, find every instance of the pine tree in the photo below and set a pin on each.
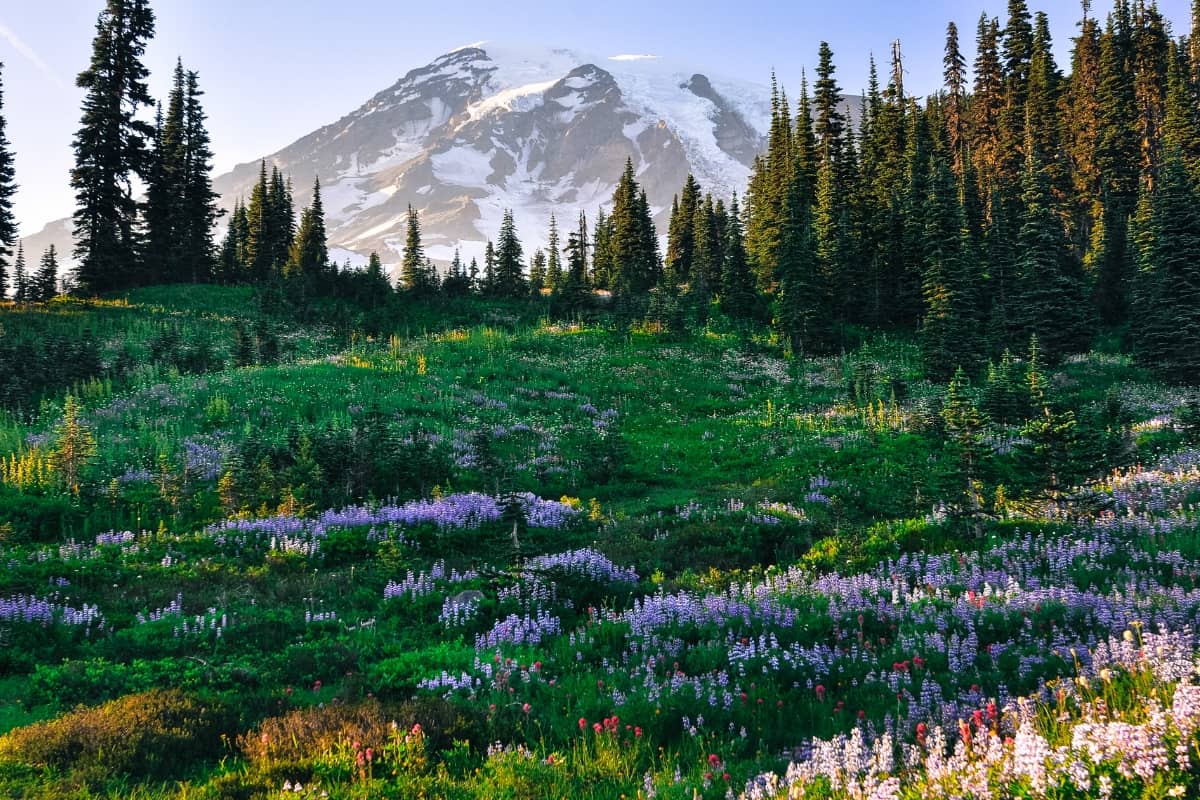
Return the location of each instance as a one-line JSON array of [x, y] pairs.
[[799, 316], [198, 201], [954, 72], [1081, 120], [554, 270], [8, 187], [601, 264], [111, 147], [488, 286], [1150, 64], [1117, 157], [74, 446], [830, 124], [378, 284], [634, 242], [573, 292], [1167, 322], [964, 433], [1050, 291], [948, 331], [680, 234], [537, 272], [20, 276], [413, 275], [737, 282], [308, 258], [987, 104], [509, 276], [259, 233], [1181, 126], [45, 283]]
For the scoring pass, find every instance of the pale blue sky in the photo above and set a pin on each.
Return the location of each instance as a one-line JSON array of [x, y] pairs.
[[274, 71]]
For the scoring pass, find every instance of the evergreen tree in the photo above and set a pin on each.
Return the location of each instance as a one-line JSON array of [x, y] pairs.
[[1117, 157], [1181, 126], [954, 71], [987, 104], [20, 276], [8, 188], [378, 285], [799, 315], [573, 292], [964, 433], [111, 147], [414, 277], [634, 242], [1051, 293], [554, 270], [602, 252], [232, 262], [489, 269], [198, 201], [308, 258], [537, 272], [44, 285], [1081, 120], [1167, 322], [509, 276], [830, 124], [948, 331], [681, 243], [1151, 48], [737, 282]]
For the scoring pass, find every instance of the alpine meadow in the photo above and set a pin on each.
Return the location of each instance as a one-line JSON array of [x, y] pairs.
[[564, 426]]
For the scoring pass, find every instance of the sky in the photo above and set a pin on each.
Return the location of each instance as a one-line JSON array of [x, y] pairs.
[[274, 70]]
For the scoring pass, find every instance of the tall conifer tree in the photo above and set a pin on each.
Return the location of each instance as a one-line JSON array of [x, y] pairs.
[[111, 147]]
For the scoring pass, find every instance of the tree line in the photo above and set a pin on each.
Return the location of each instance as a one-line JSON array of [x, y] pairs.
[[1017, 201]]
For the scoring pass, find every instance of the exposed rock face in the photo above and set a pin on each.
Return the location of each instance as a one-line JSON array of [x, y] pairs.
[[485, 128]]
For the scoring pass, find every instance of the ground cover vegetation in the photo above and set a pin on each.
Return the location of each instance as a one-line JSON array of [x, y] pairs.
[[880, 482]]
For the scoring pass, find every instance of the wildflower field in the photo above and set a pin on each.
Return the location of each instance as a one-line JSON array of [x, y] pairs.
[[510, 558]]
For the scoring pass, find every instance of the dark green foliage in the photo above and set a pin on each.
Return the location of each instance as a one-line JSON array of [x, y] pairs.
[[111, 147], [1050, 286], [509, 279], [415, 275], [949, 328], [308, 259], [44, 285], [1167, 299], [634, 243], [964, 433], [738, 298], [554, 269]]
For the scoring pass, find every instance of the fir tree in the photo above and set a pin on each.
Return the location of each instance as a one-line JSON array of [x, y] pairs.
[[681, 242], [948, 331], [44, 285], [987, 104], [554, 270], [954, 72], [634, 243], [602, 252], [799, 315], [308, 258], [573, 292], [8, 187], [488, 285], [111, 147], [198, 201], [1117, 157], [737, 282], [378, 285], [537, 272], [509, 276], [1081, 107], [829, 125], [20, 276], [1050, 291], [414, 277], [1167, 323], [964, 433]]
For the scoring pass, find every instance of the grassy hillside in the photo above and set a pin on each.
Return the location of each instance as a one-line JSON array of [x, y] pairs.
[[571, 559]]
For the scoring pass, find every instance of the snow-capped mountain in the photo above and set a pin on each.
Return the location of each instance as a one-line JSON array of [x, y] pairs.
[[484, 128]]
